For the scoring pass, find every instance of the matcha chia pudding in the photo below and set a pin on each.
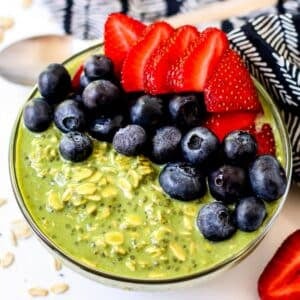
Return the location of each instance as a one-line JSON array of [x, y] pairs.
[[143, 183]]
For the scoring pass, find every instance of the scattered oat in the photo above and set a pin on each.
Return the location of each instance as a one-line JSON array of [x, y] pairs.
[[38, 292], [59, 288], [26, 3], [13, 238], [21, 229], [57, 264], [6, 22], [1, 35], [2, 201], [7, 260]]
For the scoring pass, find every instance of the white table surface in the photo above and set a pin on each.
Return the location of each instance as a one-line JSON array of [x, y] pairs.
[[33, 265]]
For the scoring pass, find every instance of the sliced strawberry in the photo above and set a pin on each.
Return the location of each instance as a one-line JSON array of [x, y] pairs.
[[222, 124], [120, 34], [191, 71], [76, 79], [230, 88], [135, 62], [280, 279], [264, 138], [156, 69]]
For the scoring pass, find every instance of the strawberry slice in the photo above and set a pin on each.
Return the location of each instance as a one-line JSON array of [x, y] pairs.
[[120, 34], [76, 78], [156, 69], [135, 62], [222, 124], [191, 71], [264, 138], [230, 88], [280, 279]]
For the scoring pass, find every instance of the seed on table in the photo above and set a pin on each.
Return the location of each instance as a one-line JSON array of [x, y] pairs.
[[57, 264], [6, 22], [2, 201], [59, 288], [13, 238], [26, 3], [38, 292], [21, 229], [7, 260]]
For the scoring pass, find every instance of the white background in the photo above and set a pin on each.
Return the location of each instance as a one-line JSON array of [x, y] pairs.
[[34, 265]]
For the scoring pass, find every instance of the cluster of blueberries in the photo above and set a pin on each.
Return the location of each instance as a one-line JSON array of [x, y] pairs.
[[166, 129]]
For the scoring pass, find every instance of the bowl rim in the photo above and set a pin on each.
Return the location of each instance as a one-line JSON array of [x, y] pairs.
[[225, 264]]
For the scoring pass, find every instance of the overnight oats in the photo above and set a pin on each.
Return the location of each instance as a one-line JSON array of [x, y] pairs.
[[153, 157]]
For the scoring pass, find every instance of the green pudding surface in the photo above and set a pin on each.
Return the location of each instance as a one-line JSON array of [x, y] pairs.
[[110, 214]]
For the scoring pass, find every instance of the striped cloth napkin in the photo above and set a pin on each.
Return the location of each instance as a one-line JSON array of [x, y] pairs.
[[268, 40]]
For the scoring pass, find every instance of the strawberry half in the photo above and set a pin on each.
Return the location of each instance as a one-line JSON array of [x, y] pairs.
[[230, 88], [76, 79], [280, 279], [264, 138], [120, 34], [156, 69], [135, 62], [222, 124], [191, 71]]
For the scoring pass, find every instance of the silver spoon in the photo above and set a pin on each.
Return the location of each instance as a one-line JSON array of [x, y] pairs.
[[22, 61]]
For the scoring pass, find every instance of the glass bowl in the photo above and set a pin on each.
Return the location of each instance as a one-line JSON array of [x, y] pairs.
[[149, 284]]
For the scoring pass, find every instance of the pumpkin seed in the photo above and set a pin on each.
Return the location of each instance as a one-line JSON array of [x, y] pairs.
[[38, 292], [81, 174], [88, 188], [54, 201], [59, 288], [114, 238], [177, 251]]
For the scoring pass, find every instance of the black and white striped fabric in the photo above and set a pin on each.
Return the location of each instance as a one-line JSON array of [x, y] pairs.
[[268, 40]]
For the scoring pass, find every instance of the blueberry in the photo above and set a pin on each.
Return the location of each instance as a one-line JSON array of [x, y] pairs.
[[37, 115], [99, 67], [54, 83], [249, 213], [182, 181], [187, 111], [147, 111], [69, 117], [130, 140], [101, 95], [199, 146], [267, 177], [84, 81], [166, 144], [228, 183], [75, 146], [239, 147], [215, 222], [103, 128]]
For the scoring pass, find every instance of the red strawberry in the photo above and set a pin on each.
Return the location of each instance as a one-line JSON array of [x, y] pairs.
[[280, 279], [156, 69], [76, 79], [191, 71], [120, 34], [222, 124], [135, 62], [230, 88], [264, 138]]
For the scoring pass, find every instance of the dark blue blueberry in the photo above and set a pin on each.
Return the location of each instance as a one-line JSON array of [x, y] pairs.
[[187, 111], [239, 147], [215, 222], [54, 83], [99, 67], [249, 213], [267, 177], [228, 183], [77, 97], [182, 181], [69, 117], [199, 146], [37, 115], [104, 128], [166, 144], [147, 111], [101, 95], [130, 140], [84, 81], [75, 146]]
